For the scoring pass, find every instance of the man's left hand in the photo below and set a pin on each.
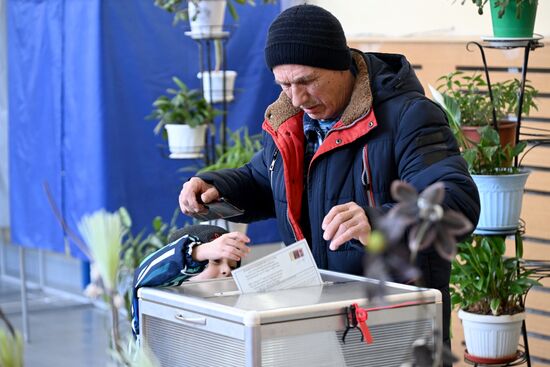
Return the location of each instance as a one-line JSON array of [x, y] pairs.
[[345, 222]]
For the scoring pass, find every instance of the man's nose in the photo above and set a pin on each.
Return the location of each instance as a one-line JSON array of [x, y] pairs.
[[299, 96]]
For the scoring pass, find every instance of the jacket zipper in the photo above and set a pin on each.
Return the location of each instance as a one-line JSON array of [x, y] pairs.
[[272, 167], [271, 171]]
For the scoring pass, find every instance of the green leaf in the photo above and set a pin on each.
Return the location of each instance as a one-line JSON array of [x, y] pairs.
[[157, 223], [125, 217], [495, 305]]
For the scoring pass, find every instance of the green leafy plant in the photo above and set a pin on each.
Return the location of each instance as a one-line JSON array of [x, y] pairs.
[[502, 5], [473, 100], [180, 11], [238, 153], [489, 157], [484, 281], [102, 232], [465, 100], [135, 248], [11, 344], [185, 107]]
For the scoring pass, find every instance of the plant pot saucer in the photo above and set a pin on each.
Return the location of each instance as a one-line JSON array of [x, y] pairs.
[[513, 360], [511, 41]]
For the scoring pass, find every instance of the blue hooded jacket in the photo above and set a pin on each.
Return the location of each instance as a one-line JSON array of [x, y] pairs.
[[389, 131]]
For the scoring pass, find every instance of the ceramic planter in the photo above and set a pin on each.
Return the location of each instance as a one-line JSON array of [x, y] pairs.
[[185, 141], [501, 198], [511, 27], [506, 133], [492, 337], [206, 18], [213, 88]]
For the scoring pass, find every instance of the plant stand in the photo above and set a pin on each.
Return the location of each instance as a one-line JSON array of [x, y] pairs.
[[206, 45], [528, 44], [520, 359]]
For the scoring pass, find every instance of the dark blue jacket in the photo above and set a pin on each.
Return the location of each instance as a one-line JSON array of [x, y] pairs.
[[389, 131]]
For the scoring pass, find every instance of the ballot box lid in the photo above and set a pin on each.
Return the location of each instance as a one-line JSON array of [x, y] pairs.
[[220, 298]]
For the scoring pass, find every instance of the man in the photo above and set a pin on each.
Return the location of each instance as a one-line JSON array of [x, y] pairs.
[[345, 126]]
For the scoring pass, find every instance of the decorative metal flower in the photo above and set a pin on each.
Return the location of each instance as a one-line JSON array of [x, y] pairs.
[[429, 224]]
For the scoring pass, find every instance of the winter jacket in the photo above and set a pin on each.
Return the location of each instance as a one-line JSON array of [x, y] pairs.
[[388, 131], [169, 266]]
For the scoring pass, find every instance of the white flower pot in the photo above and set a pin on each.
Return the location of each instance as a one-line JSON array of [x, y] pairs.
[[212, 85], [185, 141], [229, 226], [207, 18], [495, 337], [501, 198]]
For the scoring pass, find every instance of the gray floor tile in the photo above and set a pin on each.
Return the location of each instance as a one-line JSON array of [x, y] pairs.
[[62, 333]]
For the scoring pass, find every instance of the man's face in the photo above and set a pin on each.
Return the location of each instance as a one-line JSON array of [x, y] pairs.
[[217, 269], [321, 93]]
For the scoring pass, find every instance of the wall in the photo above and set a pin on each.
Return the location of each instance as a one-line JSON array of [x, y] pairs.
[[419, 18], [4, 197]]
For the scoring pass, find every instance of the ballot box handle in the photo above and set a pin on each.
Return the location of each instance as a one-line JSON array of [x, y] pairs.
[[191, 320]]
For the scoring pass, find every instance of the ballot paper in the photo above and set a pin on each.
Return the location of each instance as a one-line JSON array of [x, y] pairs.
[[290, 267]]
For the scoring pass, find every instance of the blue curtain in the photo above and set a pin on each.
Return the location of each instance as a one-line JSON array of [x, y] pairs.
[[82, 77]]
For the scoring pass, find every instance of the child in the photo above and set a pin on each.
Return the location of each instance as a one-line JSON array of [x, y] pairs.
[[194, 252]]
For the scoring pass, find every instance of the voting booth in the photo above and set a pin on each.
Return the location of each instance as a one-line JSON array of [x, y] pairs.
[[209, 323]]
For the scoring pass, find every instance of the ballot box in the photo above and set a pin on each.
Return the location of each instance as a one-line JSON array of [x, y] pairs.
[[208, 323]]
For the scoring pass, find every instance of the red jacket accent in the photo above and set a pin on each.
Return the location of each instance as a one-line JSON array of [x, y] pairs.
[[289, 139]]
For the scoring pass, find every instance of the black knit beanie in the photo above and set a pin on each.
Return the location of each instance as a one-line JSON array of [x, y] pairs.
[[307, 35]]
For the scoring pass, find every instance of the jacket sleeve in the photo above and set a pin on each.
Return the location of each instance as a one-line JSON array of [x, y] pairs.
[[168, 266], [427, 152], [249, 186]]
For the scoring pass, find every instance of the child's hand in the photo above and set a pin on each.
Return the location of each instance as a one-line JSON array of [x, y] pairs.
[[230, 246]]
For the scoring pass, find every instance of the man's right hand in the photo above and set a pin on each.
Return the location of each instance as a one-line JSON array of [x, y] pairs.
[[194, 194]]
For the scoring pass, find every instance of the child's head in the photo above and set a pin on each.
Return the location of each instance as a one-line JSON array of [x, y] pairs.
[[219, 268]]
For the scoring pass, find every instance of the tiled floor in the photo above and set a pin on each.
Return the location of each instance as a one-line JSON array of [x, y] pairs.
[[63, 332]]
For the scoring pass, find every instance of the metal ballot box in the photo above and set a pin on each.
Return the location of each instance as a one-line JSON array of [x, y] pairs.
[[208, 323]]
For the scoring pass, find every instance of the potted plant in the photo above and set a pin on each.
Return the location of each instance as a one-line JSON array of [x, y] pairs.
[[469, 107], [184, 116], [500, 186], [213, 12], [489, 159], [489, 290], [238, 153], [218, 85], [510, 18]]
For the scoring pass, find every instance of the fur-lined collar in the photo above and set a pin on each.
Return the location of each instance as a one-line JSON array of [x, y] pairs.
[[360, 102]]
